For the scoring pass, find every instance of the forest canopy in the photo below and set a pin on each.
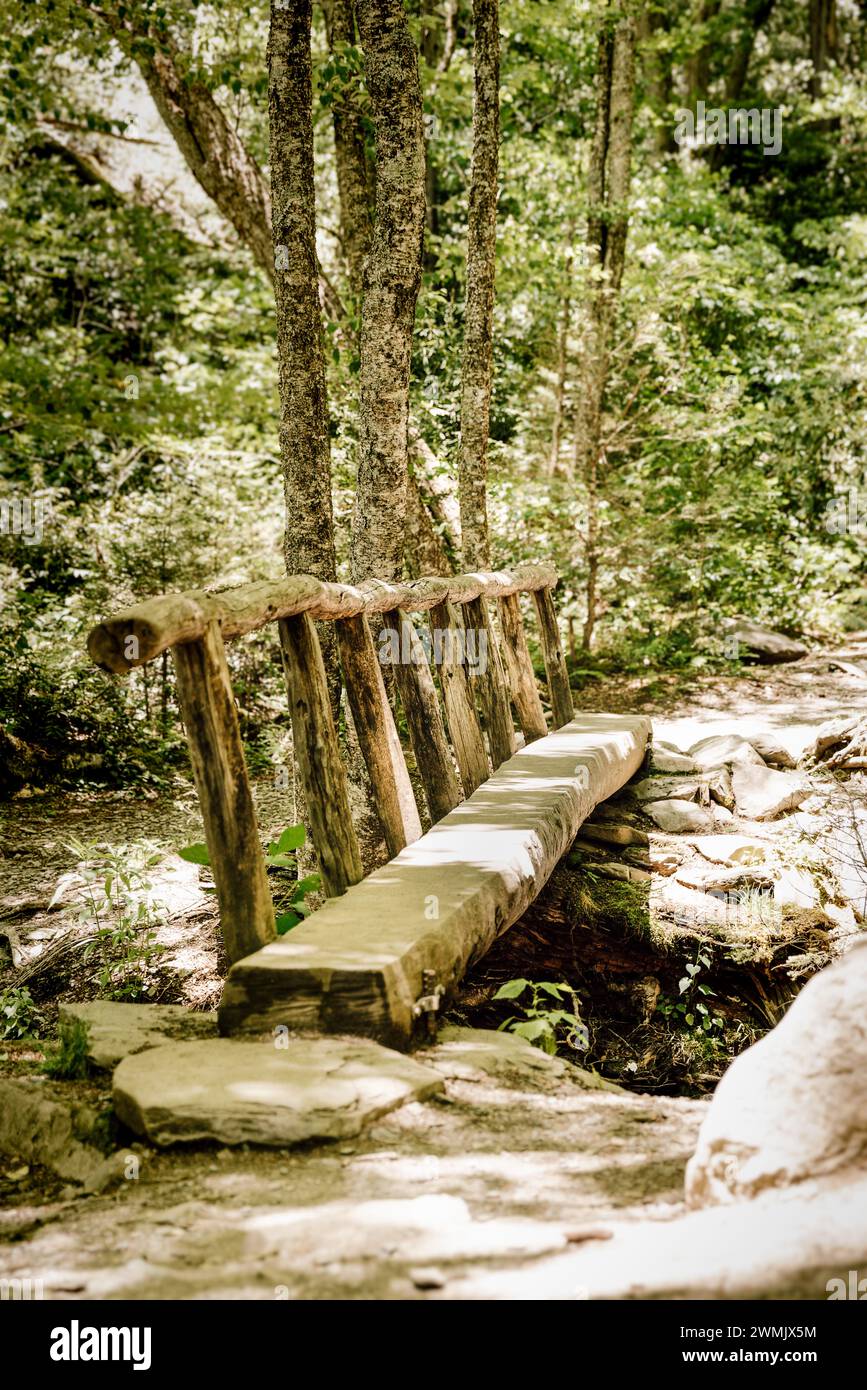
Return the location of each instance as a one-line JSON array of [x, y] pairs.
[[715, 469]]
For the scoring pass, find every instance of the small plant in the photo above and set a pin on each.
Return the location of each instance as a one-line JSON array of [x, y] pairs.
[[280, 854], [690, 1007], [17, 1013], [116, 905], [545, 1022], [67, 1060]]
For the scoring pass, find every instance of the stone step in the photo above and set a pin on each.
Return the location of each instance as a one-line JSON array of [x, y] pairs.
[[356, 965], [276, 1092]]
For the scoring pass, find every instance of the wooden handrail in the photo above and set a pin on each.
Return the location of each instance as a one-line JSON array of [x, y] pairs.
[[195, 626], [137, 635]]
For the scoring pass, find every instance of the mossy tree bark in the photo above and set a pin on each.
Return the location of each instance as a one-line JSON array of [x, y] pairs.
[[392, 276], [476, 371]]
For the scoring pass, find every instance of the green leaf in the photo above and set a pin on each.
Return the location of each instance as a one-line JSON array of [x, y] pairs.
[[532, 1029], [557, 991], [195, 854], [311, 884], [684, 984], [286, 921], [511, 989], [293, 837]]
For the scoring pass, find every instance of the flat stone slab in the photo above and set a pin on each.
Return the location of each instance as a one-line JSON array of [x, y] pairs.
[[355, 966], [471, 1054], [276, 1092], [117, 1030]]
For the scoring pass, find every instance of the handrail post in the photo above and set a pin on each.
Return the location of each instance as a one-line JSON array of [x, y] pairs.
[[226, 800]]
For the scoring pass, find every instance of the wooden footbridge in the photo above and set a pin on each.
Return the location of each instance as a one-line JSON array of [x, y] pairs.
[[379, 955]]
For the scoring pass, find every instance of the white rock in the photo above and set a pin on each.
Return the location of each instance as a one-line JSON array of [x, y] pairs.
[[761, 793], [795, 888], [263, 1093], [664, 760], [794, 1105], [772, 751], [680, 817], [731, 849], [719, 749]]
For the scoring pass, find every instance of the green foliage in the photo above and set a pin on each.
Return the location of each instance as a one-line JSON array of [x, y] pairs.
[[18, 1013], [693, 1009], [67, 1060], [545, 1023], [120, 915], [279, 854]]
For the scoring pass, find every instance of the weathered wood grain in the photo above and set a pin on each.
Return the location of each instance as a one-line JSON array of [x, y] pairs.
[[318, 756], [461, 714], [522, 680], [424, 719], [490, 683], [217, 757], [559, 694], [136, 635], [377, 735], [357, 965]]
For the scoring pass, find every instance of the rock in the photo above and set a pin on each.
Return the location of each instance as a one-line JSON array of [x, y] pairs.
[[663, 760], [41, 1125], [116, 1030], [772, 751], [605, 834], [761, 793], [731, 849], [263, 1093], [626, 873], [795, 888], [663, 860], [794, 1105], [719, 749], [769, 646], [680, 817], [470, 1054]]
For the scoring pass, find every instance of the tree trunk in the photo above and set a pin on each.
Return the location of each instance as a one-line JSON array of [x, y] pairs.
[[607, 226], [305, 452], [392, 276], [823, 40], [698, 64], [354, 188], [215, 153], [478, 323], [563, 329]]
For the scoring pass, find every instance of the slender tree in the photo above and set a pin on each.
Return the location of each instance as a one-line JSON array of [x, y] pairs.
[[478, 324], [304, 440], [607, 226], [392, 276], [354, 181]]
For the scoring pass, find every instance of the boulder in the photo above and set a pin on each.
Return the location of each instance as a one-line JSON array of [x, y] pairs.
[[794, 1105], [279, 1091], [667, 760], [732, 850], [762, 793], [767, 646], [680, 817], [772, 751], [720, 749], [115, 1031], [605, 833]]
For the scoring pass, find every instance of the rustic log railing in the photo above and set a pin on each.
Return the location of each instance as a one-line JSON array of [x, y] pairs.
[[194, 626]]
